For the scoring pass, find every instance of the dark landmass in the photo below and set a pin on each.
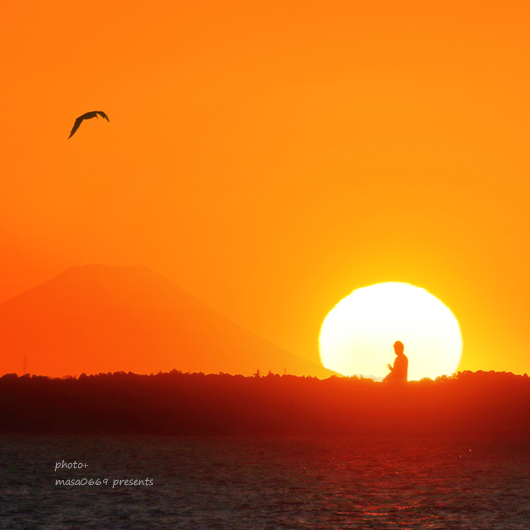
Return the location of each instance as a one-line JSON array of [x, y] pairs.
[[493, 404]]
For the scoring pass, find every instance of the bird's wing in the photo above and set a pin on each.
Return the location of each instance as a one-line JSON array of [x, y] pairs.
[[76, 126], [102, 114]]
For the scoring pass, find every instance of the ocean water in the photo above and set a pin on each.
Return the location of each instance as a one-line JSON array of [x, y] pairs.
[[265, 483]]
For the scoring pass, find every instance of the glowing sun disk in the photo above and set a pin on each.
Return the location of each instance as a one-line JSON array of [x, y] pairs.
[[358, 333]]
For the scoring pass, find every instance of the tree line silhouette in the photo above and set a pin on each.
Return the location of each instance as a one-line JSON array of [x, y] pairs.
[[175, 403]]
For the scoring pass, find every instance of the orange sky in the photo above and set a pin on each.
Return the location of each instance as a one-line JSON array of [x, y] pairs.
[[270, 157]]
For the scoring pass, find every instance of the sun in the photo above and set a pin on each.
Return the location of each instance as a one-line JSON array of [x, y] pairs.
[[358, 333]]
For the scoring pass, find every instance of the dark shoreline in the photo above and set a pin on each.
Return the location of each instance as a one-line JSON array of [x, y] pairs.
[[475, 404]]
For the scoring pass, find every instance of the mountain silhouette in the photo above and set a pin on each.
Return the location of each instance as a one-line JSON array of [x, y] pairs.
[[97, 318]]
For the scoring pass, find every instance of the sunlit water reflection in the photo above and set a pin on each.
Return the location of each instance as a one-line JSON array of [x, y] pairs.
[[266, 483]]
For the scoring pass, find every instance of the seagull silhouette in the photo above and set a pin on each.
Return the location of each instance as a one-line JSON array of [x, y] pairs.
[[87, 116]]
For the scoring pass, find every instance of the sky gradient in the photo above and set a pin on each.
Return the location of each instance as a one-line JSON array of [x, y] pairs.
[[270, 157]]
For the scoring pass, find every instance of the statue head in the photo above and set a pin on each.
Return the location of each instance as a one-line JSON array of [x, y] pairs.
[[398, 347]]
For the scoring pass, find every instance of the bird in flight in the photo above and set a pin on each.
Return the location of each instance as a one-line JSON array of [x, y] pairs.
[[87, 116]]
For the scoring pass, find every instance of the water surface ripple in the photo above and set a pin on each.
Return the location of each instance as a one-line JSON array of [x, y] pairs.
[[266, 483]]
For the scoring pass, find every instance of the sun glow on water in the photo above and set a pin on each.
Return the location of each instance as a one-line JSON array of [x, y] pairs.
[[358, 333]]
